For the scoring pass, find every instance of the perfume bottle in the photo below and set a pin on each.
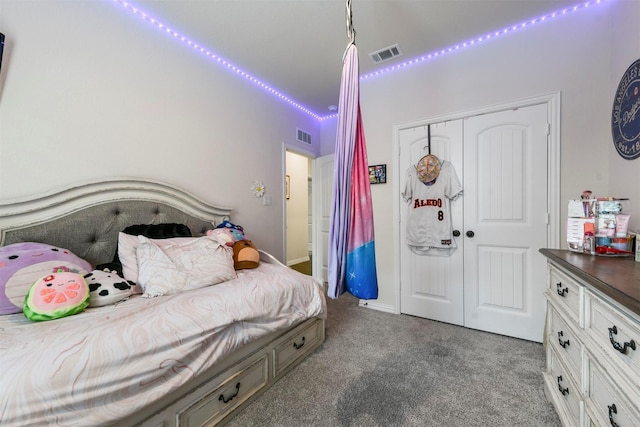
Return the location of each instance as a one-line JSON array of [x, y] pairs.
[[589, 244], [589, 240]]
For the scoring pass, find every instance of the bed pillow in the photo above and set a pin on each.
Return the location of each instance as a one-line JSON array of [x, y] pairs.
[[21, 264], [56, 295], [182, 266], [153, 231], [107, 287], [127, 246]]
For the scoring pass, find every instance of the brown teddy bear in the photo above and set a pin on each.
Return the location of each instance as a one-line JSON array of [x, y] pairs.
[[245, 255]]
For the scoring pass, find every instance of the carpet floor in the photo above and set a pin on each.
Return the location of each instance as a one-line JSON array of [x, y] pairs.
[[381, 369]]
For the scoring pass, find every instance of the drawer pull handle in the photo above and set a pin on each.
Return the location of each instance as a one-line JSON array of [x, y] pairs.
[[562, 390], [561, 291], [299, 346], [563, 344], [622, 348], [612, 410], [225, 400]]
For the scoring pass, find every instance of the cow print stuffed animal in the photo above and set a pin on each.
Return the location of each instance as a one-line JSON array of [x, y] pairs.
[[106, 287]]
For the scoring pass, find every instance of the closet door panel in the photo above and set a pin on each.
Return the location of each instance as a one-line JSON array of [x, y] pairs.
[[505, 221], [431, 286]]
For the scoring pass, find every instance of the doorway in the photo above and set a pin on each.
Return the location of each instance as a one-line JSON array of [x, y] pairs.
[[298, 202], [495, 280]]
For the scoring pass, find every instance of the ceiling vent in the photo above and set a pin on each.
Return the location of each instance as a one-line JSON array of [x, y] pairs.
[[385, 54], [304, 137]]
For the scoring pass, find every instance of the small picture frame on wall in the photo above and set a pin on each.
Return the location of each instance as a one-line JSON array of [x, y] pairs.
[[378, 174], [287, 186]]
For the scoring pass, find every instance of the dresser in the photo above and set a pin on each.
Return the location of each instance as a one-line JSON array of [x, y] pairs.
[[592, 339]]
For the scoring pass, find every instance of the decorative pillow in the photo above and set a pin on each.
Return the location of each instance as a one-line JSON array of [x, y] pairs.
[[182, 266], [21, 264], [236, 230], [230, 225], [106, 287], [245, 255], [127, 245], [111, 266], [56, 295]]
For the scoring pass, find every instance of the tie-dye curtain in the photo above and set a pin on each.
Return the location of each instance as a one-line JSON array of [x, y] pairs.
[[352, 263]]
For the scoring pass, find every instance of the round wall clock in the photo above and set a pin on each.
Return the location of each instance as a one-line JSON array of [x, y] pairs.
[[625, 116]]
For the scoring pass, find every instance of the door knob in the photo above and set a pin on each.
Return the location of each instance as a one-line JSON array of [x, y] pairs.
[[456, 233], [470, 233]]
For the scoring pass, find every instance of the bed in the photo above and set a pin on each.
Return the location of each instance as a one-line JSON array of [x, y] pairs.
[[193, 358]]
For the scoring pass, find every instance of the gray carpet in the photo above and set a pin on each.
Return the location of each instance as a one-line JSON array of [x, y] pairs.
[[380, 369]]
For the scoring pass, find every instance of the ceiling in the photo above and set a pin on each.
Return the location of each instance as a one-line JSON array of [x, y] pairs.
[[296, 46]]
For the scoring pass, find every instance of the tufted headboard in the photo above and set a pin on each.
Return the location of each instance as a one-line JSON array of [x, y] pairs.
[[87, 219]]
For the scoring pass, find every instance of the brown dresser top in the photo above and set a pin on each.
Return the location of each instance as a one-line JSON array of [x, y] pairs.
[[616, 277]]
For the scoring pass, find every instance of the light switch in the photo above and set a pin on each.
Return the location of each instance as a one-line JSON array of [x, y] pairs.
[[266, 200]]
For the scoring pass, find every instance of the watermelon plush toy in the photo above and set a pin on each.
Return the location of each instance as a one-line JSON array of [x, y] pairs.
[[56, 295]]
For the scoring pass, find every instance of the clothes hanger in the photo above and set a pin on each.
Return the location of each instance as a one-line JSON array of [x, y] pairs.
[[428, 167]]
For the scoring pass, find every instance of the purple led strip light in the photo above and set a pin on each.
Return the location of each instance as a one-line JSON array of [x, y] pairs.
[[480, 39], [419, 60], [231, 67]]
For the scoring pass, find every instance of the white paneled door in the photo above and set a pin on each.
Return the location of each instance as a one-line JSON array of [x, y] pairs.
[[322, 192], [432, 287], [505, 212], [495, 280]]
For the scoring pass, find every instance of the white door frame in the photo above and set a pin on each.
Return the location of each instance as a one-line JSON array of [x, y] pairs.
[[552, 101], [286, 147]]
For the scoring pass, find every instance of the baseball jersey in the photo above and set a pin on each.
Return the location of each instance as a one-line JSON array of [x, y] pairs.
[[429, 218]]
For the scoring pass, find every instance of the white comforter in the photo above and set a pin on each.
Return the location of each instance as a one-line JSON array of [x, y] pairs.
[[109, 362]]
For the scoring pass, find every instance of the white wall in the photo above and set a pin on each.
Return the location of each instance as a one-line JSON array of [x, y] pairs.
[[570, 55], [89, 91], [624, 175]]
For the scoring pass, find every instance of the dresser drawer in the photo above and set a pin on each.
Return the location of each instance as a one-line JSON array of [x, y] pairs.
[[567, 293], [234, 390], [617, 335], [565, 341], [605, 402], [563, 390], [296, 345]]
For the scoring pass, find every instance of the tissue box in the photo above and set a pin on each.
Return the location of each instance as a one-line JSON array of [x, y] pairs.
[[577, 209]]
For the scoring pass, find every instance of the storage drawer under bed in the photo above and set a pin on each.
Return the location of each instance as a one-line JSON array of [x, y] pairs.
[[254, 374], [295, 345], [234, 391]]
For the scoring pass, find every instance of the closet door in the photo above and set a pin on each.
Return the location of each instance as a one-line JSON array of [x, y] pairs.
[[322, 190], [431, 286], [505, 221]]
